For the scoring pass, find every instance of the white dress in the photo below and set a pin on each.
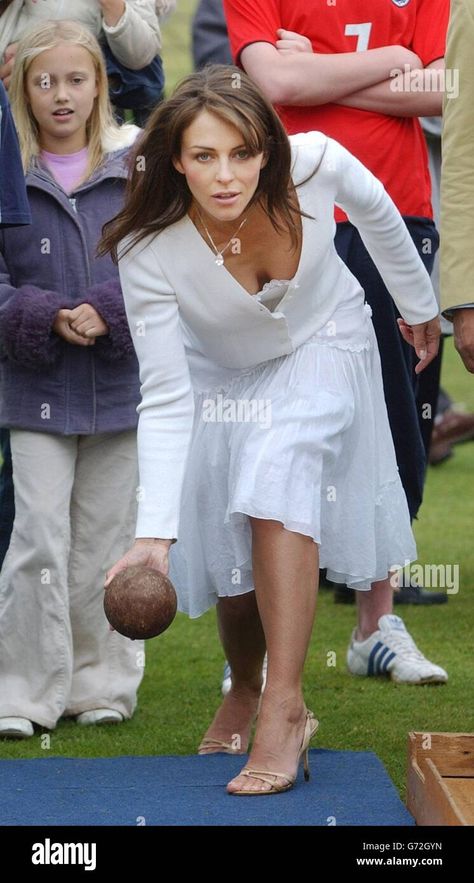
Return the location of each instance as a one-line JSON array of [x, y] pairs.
[[272, 405], [302, 439]]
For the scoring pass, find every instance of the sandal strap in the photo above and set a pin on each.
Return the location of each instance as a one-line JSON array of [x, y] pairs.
[[217, 743], [263, 775]]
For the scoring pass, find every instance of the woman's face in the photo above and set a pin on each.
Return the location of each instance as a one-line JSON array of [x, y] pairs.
[[61, 89], [220, 173]]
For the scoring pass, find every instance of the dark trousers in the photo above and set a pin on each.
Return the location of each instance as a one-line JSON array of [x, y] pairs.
[[7, 500], [411, 399]]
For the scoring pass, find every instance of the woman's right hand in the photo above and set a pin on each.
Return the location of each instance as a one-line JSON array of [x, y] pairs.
[[148, 552]]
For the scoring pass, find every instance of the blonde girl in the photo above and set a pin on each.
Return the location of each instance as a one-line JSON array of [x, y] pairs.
[[69, 390]]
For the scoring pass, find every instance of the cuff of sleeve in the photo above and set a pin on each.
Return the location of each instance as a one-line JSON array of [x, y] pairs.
[[119, 27], [448, 312]]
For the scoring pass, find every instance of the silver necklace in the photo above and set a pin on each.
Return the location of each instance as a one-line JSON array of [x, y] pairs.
[[219, 258]]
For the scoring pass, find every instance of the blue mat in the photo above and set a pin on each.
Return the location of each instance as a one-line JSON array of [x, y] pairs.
[[346, 788]]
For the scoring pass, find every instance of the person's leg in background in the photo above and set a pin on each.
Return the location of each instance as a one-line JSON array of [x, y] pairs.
[[35, 634], [410, 404], [7, 497], [425, 236], [107, 668]]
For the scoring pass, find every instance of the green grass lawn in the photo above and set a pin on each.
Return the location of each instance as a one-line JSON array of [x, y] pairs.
[[180, 690]]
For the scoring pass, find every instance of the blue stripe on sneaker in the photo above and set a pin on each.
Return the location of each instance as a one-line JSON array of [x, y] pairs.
[[380, 658], [388, 661], [373, 654]]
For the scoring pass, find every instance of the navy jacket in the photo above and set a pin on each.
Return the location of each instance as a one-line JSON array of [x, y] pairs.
[[47, 384]]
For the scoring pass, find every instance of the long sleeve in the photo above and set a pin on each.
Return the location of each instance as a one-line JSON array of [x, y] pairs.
[[26, 319], [457, 179], [384, 233], [167, 407], [136, 39], [107, 299]]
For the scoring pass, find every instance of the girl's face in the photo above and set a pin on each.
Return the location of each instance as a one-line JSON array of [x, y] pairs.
[[61, 87], [220, 173]]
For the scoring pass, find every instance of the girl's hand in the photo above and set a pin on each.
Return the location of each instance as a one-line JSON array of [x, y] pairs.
[[146, 551], [86, 321], [62, 327], [290, 42], [424, 338]]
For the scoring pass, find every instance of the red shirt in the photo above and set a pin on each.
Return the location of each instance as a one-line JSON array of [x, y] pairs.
[[393, 148]]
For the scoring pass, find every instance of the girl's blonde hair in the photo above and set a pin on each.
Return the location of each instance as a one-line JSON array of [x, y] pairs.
[[102, 130]]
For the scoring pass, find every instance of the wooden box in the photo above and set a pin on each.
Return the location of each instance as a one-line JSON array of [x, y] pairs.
[[441, 778]]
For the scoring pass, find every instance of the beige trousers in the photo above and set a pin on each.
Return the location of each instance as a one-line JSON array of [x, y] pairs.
[[75, 504]]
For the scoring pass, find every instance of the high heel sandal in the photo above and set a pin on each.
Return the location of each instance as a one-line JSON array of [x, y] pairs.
[[269, 777]]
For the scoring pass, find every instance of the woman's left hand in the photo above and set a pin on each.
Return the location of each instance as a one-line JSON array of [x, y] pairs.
[[290, 42], [424, 338]]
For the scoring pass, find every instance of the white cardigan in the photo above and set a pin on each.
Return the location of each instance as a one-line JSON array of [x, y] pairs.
[[171, 284]]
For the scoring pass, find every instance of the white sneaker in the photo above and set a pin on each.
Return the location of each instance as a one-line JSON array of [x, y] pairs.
[[227, 676], [392, 651], [99, 716], [16, 727]]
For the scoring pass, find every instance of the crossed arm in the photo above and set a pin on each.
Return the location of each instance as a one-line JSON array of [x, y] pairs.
[[291, 73]]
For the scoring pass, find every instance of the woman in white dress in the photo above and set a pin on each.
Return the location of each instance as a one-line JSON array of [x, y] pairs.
[[264, 444]]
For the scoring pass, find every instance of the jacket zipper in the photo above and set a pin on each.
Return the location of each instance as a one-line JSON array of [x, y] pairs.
[[73, 203]]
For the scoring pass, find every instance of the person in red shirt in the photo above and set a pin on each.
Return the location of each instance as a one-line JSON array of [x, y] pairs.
[[362, 72], [343, 85]]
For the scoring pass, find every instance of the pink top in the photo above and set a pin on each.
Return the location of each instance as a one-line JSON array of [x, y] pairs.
[[68, 169]]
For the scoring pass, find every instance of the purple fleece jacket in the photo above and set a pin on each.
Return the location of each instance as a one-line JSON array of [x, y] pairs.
[[47, 384]]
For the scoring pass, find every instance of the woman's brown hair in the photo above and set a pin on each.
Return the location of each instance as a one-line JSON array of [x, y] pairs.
[[157, 194]]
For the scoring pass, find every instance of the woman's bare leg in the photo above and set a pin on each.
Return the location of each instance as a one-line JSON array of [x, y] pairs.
[[242, 638], [285, 569]]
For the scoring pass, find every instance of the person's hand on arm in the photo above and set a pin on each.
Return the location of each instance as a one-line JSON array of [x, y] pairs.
[[290, 73], [7, 66], [132, 31], [112, 11], [406, 92]]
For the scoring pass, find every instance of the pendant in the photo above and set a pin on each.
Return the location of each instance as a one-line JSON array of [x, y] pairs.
[[219, 259]]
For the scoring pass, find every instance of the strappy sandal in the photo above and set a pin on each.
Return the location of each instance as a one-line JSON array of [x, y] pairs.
[[270, 778]]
